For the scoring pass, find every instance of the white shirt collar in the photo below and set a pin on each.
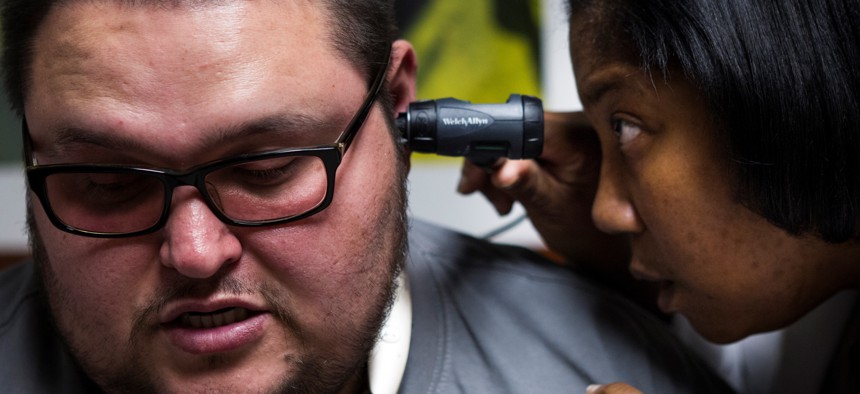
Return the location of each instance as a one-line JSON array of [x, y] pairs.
[[387, 361]]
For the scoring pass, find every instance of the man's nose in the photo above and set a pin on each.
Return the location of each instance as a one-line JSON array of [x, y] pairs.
[[613, 211], [196, 243]]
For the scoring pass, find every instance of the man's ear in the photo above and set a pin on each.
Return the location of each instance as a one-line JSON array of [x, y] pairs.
[[402, 75], [401, 82]]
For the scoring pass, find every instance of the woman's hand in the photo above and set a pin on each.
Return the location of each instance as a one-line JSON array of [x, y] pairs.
[[612, 388], [557, 191]]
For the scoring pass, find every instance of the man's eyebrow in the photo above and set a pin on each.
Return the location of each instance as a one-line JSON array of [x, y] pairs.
[[286, 126], [292, 125], [68, 136]]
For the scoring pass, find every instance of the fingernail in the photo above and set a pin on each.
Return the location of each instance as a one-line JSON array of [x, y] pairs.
[[593, 388], [505, 180], [507, 183]]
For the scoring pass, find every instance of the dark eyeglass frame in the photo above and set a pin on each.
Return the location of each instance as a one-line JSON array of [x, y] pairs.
[[331, 156]]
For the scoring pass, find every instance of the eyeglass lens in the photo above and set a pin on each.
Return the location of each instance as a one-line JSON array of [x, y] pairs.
[[116, 201]]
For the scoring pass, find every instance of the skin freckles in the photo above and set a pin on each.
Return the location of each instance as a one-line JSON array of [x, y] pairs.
[[173, 88], [665, 183]]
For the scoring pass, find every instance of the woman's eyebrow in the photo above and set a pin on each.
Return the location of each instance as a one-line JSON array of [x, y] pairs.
[[595, 90], [612, 79]]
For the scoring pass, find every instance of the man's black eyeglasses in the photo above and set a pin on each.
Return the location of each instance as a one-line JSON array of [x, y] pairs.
[[258, 189]]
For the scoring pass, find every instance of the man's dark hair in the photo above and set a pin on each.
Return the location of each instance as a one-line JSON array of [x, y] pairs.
[[363, 31], [783, 83], [363, 35]]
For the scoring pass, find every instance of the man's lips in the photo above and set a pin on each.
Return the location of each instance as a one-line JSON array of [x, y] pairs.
[[223, 317], [209, 312], [206, 327]]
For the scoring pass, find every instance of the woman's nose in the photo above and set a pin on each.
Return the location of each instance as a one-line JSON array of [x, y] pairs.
[[613, 210]]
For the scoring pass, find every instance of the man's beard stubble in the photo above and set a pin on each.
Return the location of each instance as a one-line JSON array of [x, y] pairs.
[[313, 376]]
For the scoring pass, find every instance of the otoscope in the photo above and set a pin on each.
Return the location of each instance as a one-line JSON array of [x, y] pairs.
[[480, 132]]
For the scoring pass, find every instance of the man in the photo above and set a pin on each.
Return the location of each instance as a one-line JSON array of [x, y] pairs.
[[217, 204]]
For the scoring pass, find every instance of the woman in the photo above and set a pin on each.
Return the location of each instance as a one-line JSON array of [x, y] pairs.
[[729, 135]]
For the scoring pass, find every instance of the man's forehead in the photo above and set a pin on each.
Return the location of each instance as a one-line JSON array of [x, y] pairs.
[[78, 19], [170, 4], [102, 66], [135, 46], [79, 33]]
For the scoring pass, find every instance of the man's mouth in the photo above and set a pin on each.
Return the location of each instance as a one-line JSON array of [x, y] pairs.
[[207, 320], [214, 326]]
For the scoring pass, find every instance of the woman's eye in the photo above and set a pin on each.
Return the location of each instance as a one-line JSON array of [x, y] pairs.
[[625, 131]]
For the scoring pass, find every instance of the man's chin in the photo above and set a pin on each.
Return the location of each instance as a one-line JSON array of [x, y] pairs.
[[221, 377], [269, 367], [248, 382]]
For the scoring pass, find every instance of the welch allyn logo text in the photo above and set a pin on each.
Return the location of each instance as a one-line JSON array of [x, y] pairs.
[[470, 121]]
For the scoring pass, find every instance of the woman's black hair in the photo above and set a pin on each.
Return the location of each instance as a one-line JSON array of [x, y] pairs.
[[783, 81]]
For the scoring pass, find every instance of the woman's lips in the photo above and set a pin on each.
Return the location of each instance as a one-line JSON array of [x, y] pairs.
[[641, 273], [666, 296]]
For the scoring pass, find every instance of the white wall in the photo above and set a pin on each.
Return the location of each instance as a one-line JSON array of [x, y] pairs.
[[12, 224], [559, 88]]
